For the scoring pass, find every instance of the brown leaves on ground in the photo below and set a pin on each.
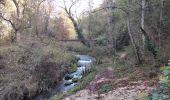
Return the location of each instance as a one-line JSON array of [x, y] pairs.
[[101, 78], [122, 89]]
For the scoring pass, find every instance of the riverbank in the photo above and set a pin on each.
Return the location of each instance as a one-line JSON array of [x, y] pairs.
[[116, 77], [87, 78], [82, 71], [106, 86], [41, 66], [31, 67]]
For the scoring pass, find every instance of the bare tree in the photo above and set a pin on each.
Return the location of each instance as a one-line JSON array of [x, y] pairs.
[[136, 48], [127, 14], [143, 20], [14, 26], [160, 21], [90, 17], [109, 4], [68, 11], [16, 21]]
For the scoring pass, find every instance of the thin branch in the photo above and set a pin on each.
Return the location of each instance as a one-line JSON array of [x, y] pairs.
[[12, 24], [73, 3], [65, 9], [112, 7], [40, 4], [24, 6]]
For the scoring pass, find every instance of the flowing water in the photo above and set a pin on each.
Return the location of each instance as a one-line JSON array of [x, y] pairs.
[[69, 80]]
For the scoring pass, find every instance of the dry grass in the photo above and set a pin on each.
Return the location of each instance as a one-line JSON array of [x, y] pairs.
[[27, 66]]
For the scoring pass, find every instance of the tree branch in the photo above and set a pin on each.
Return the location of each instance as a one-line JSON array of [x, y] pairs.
[[17, 7], [40, 4], [112, 7], [73, 3], [12, 24]]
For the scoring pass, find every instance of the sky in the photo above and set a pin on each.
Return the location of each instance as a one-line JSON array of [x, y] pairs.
[[80, 7]]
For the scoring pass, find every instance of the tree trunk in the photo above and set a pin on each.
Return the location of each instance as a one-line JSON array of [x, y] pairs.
[[143, 20], [78, 31], [160, 23], [75, 24], [14, 37], [136, 49], [17, 8], [109, 20], [46, 24], [90, 22]]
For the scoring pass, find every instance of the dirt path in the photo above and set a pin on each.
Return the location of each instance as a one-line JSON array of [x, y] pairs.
[[122, 89]]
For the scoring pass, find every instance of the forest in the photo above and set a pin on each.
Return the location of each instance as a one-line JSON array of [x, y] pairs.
[[84, 50]]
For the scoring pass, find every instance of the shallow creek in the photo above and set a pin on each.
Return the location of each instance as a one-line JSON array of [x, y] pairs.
[[69, 80]]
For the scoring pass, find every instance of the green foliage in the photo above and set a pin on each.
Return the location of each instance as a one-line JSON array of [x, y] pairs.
[[165, 80], [78, 48], [156, 95], [142, 96], [73, 67], [163, 92], [102, 40], [105, 88], [68, 83], [76, 79]]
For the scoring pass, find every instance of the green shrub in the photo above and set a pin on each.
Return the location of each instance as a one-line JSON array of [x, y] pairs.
[[142, 96], [165, 80], [157, 95], [105, 88], [163, 91], [73, 67]]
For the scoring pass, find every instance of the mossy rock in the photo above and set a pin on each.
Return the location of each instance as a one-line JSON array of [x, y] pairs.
[[68, 77], [76, 79], [68, 83]]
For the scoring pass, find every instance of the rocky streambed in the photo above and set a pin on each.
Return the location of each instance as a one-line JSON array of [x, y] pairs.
[[70, 79]]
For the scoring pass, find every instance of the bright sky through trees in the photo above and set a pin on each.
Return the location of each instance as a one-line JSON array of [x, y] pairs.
[[81, 6]]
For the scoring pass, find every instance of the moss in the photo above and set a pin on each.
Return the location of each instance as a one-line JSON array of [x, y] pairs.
[[73, 67], [68, 83], [76, 79]]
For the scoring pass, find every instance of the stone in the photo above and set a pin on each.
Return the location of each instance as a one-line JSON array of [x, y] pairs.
[[168, 62], [68, 77], [68, 83]]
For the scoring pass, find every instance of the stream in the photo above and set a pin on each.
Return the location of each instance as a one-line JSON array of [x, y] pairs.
[[70, 80]]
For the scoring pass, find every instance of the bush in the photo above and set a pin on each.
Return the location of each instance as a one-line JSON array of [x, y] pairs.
[[105, 88], [73, 67], [165, 79], [34, 65], [163, 91]]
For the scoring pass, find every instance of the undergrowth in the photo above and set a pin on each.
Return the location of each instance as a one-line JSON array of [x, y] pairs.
[[105, 88], [30, 67], [163, 90]]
